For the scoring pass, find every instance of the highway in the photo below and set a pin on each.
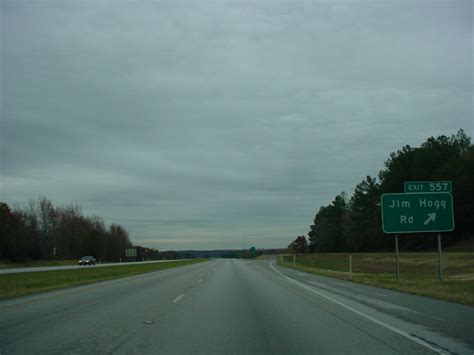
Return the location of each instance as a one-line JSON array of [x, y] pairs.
[[68, 267], [233, 307]]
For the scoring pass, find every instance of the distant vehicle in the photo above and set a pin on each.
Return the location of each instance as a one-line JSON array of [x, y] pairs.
[[87, 260]]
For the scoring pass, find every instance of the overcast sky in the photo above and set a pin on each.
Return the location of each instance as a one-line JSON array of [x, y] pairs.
[[195, 124]]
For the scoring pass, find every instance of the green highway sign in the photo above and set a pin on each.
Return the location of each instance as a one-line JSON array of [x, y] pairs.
[[428, 186], [417, 212], [131, 253]]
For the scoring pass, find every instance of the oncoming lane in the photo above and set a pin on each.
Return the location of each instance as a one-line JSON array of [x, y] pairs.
[[70, 267]]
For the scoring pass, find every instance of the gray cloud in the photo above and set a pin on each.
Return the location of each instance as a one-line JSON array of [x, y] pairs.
[[193, 124]]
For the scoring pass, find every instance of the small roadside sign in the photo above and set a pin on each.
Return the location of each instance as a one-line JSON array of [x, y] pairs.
[[131, 253], [428, 186], [417, 212]]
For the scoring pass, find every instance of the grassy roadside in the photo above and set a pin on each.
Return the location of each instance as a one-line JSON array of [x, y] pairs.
[[418, 273], [14, 285], [10, 265]]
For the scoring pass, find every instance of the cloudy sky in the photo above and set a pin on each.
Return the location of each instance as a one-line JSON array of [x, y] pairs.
[[200, 124]]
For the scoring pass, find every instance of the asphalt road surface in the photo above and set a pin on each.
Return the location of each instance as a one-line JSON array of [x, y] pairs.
[[233, 307], [67, 267]]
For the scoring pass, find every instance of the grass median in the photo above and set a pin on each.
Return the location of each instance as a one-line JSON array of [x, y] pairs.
[[19, 284], [418, 272]]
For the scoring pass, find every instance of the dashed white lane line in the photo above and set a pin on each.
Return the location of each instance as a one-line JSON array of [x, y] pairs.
[[178, 298], [199, 281], [366, 316]]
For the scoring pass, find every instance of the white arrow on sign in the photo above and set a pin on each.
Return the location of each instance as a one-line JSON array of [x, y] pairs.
[[431, 217]]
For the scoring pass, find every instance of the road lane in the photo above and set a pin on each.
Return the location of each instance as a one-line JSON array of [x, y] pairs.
[[417, 314], [222, 306], [68, 267], [92, 317]]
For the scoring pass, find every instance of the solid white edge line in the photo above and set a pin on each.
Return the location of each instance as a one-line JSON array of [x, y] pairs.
[[177, 298], [374, 320]]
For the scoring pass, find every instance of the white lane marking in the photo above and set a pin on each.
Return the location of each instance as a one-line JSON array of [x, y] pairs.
[[177, 298], [366, 316], [199, 281]]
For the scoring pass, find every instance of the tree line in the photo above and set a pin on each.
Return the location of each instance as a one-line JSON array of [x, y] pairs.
[[39, 230], [354, 224]]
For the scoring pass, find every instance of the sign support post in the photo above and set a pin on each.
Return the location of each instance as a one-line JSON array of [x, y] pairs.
[[397, 265], [440, 265], [350, 266]]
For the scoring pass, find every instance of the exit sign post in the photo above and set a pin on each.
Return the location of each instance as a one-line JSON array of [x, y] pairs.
[[417, 212]]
